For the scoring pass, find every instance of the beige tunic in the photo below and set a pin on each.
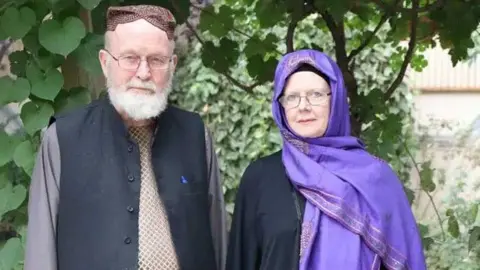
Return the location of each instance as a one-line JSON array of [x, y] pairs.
[[40, 250]]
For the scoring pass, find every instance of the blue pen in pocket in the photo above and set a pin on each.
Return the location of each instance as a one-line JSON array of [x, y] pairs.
[[183, 180]]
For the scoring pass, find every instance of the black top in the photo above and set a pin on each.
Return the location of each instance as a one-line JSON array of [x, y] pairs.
[[265, 230], [266, 226]]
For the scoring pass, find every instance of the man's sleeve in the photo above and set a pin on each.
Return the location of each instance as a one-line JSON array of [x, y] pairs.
[[40, 251], [217, 204]]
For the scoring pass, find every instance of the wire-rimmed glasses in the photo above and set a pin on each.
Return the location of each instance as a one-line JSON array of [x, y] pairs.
[[131, 62], [314, 98]]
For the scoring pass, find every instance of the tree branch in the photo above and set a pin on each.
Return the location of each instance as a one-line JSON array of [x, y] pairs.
[[428, 194], [247, 88], [300, 11], [365, 43], [427, 8], [236, 30], [408, 55], [290, 35], [338, 35], [386, 15]]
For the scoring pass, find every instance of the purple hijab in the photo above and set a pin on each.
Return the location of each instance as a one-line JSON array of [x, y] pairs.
[[357, 215]]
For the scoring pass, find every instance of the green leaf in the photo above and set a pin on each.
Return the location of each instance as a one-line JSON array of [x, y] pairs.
[[48, 60], [218, 24], [18, 63], [254, 66], [225, 13], [256, 46], [453, 227], [229, 52], [8, 143], [11, 254], [40, 8], [58, 6], [270, 41], [270, 13], [72, 99], [220, 58], [261, 70], [426, 177], [89, 4], [87, 53], [410, 195], [4, 179], [364, 12], [31, 42], [11, 197], [61, 37], [208, 54], [13, 90], [337, 8], [34, 73], [474, 238], [35, 116], [24, 156], [253, 47], [225, 17], [3, 36], [48, 87], [207, 18], [248, 2], [423, 230], [399, 28], [474, 212], [17, 23], [427, 242]]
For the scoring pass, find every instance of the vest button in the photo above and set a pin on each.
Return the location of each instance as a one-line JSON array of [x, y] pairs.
[[130, 209], [127, 240], [131, 178], [130, 148]]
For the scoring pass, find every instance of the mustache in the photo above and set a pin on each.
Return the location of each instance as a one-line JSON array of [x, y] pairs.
[[138, 84]]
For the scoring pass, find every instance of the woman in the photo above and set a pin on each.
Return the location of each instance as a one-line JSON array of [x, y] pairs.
[[323, 202]]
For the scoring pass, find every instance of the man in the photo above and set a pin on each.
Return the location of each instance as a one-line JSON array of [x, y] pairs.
[[128, 182]]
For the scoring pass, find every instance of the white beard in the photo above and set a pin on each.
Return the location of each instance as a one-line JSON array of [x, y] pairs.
[[140, 106]]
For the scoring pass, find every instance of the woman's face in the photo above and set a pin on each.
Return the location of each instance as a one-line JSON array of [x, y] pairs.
[[306, 101]]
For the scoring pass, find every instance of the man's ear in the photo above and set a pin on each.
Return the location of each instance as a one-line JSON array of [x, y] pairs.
[[175, 61], [103, 58]]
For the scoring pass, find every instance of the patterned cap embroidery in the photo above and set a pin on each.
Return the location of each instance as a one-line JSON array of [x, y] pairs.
[[158, 16]]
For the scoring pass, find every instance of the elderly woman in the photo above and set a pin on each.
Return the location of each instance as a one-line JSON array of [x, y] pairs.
[[322, 202]]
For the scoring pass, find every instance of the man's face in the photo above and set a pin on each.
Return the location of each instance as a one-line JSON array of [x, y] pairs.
[[140, 93]]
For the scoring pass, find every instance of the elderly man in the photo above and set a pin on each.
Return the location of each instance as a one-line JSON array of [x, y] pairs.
[[128, 182]]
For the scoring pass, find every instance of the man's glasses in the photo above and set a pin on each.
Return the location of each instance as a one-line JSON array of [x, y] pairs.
[[131, 62]]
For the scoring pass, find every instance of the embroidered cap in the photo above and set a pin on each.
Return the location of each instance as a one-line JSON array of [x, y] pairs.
[[158, 16]]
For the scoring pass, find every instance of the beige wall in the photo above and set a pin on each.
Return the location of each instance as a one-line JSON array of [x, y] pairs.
[[460, 108], [440, 74], [446, 106], [446, 118]]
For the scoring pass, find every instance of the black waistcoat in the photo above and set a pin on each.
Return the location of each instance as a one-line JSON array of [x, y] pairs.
[[100, 185]]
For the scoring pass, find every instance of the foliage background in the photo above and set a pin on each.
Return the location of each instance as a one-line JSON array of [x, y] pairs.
[[233, 42]]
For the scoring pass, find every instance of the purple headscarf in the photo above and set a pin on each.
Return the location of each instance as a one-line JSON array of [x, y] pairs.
[[357, 215]]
